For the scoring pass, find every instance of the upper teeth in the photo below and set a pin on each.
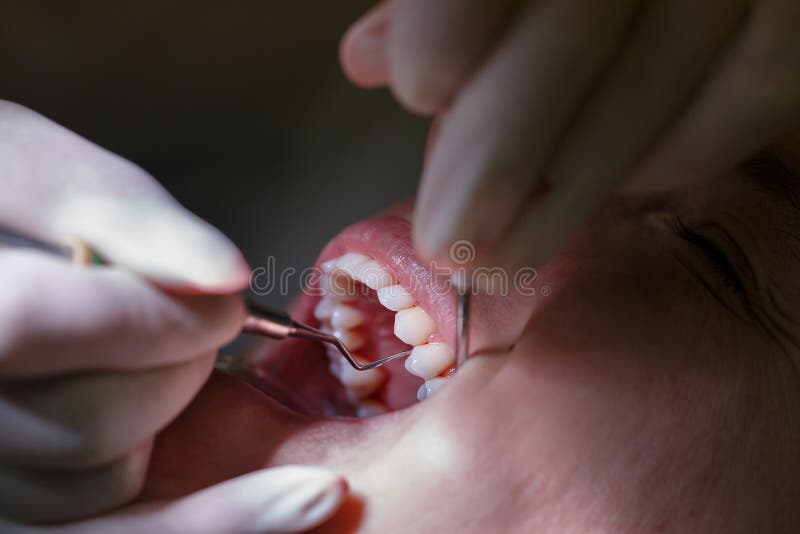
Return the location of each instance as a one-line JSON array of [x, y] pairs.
[[361, 269], [324, 309], [353, 340], [343, 316], [412, 324], [395, 297]]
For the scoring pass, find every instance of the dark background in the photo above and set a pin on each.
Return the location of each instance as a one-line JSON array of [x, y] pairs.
[[239, 108]]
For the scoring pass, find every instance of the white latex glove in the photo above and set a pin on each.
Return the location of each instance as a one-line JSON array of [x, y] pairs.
[[95, 361], [546, 106], [282, 499]]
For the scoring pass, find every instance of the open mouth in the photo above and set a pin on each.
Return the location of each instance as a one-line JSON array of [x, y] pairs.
[[374, 294]]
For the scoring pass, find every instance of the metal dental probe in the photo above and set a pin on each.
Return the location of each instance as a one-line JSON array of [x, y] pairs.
[[277, 324], [260, 320], [463, 295]]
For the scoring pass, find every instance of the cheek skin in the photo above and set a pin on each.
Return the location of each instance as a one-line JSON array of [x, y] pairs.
[[627, 414], [560, 424]]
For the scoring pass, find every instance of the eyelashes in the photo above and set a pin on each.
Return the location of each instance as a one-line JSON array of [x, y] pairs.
[[715, 256]]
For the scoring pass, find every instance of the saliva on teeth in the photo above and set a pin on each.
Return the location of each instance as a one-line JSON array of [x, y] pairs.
[[429, 360]]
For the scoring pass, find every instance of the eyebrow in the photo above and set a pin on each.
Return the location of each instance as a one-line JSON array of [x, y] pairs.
[[767, 172]]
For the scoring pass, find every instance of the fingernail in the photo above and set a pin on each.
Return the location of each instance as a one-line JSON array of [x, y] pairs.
[[373, 26], [308, 497], [364, 48], [157, 239]]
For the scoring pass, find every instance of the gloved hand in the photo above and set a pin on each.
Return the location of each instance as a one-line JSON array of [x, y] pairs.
[[95, 361], [547, 105]]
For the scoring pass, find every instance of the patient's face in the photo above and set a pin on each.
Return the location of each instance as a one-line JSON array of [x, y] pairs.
[[653, 385]]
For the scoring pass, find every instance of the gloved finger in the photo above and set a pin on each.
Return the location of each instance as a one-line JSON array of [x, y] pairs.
[[435, 46], [44, 496], [488, 158], [751, 101], [282, 499], [86, 420], [363, 52], [57, 186], [640, 95], [56, 318]]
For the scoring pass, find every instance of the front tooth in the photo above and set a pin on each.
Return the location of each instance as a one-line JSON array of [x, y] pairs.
[[428, 361], [363, 269], [395, 297], [344, 317], [324, 309], [349, 264], [372, 275], [362, 383], [338, 286], [368, 408], [413, 325], [352, 340], [328, 266]]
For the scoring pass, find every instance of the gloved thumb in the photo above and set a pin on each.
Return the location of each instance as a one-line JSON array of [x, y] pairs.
[[282, 499]]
